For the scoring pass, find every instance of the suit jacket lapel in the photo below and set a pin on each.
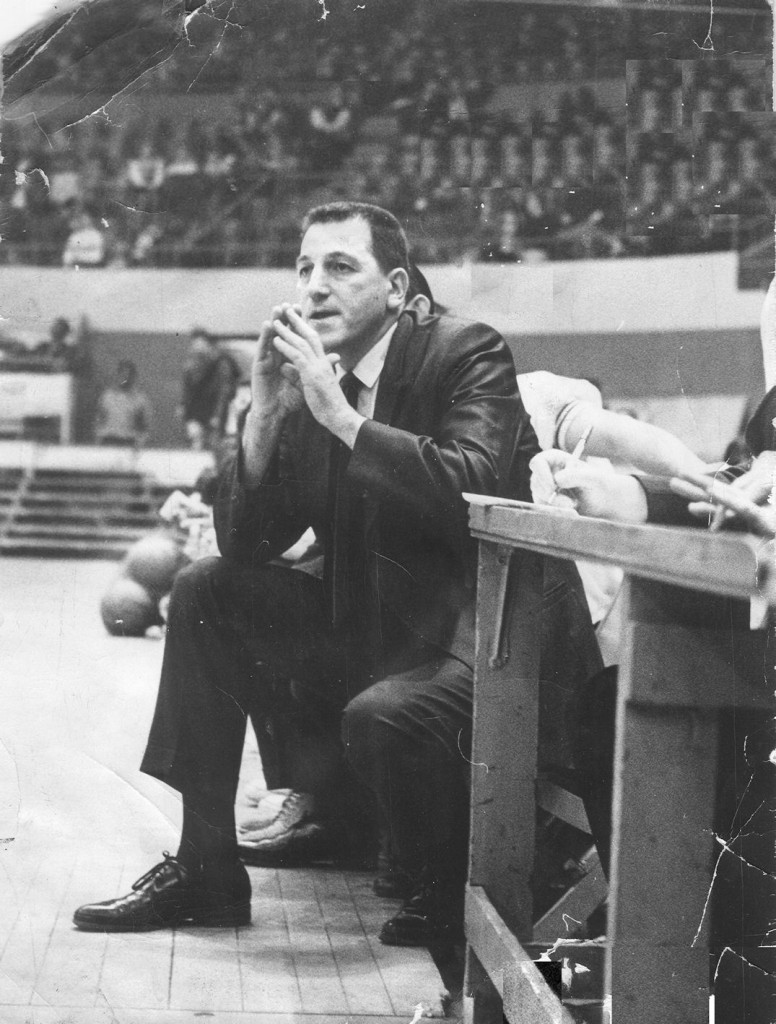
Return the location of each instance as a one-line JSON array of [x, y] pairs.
[[401, 363]]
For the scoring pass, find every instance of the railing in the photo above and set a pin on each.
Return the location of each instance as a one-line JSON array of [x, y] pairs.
[[676, 672]]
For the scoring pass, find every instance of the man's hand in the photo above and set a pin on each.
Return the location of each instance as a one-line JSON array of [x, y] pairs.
[[557, 478], [311, 370], [274, 392], [741, 500], [759, 482]]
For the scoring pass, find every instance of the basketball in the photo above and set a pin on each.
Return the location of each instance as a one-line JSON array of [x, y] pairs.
[[127, 608], [154, 562]]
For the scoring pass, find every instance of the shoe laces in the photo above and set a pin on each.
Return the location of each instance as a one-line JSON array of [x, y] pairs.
[[159, 869], [296, 803]]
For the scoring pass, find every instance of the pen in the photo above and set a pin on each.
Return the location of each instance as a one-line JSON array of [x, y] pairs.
[[579, 447], [577, 454]]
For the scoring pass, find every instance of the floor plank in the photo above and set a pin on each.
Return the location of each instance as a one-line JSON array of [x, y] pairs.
[[74, 711], [319, 984], [126, 960], [268, 969], [359, 976]]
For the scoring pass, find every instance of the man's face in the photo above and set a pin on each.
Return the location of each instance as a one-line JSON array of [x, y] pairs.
[[342, 290]]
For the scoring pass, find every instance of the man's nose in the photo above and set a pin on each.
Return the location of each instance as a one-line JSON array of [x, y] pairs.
[[317, 283]]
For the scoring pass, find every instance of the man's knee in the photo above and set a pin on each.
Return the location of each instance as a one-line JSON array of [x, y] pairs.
[[194, 586], [368, 714]]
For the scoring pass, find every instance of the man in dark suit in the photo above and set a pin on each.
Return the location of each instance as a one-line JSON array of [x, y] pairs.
[[366, 423]]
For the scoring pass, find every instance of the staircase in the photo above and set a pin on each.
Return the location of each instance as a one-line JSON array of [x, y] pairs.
[[75, 513]]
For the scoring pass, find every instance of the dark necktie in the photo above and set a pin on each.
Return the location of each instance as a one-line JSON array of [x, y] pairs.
[[336, 566]]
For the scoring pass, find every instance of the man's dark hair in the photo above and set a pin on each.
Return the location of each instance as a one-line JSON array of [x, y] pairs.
[[419, 286], [389, 243]]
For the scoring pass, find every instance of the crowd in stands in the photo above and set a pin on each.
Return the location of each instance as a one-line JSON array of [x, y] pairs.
[[439, 119]]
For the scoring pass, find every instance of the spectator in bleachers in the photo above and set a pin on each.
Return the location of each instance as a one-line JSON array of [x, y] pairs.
[[220, 162], [330, 125], [749, 192], [715, 174], [514, 167], [646, 200], [481, 160], [144, 176], [542, 161], [679, 227], [63, 172], [123, 416], [575, 161], [85, 245], [181, 191], [439, 91], [506, 247], [429, 115], [97, 174], [458, 114]]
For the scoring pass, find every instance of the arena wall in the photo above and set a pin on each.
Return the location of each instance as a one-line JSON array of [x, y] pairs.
[[672, 338]]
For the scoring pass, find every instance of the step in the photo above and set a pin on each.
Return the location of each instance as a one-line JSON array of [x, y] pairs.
[[60, 497], [115, 517], [116, 533], [57, 548]]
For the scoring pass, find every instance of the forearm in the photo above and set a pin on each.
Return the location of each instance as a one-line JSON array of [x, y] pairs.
[[625, 440], [260, 439], [254, 524], [415, 474]]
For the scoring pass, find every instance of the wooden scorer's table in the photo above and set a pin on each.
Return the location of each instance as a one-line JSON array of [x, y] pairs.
[[676, 673]]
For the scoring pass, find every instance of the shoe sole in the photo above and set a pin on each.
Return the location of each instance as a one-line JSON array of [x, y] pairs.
[[276, 859], [236, 917]]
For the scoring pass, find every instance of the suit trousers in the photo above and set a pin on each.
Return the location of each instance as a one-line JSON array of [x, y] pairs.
[[234, 633]]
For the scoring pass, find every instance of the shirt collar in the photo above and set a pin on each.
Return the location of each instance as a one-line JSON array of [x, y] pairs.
[[370, 366]]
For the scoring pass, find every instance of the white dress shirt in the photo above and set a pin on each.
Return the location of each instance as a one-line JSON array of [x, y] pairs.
[[368, 370]]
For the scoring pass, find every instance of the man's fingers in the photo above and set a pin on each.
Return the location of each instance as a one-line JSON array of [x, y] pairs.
[[288, 351], [304, 329], [265, 336], [692, 491], [701, 509], [302, 344], [698, 480], [552, 459], [572, 476]]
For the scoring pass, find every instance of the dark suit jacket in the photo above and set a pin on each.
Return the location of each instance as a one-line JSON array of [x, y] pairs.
[[448, 419]]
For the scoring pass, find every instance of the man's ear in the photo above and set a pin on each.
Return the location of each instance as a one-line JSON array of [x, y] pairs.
[[399, 282]]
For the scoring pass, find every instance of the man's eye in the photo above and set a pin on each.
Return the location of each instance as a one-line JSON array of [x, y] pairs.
[[342, 268], [303, 271]]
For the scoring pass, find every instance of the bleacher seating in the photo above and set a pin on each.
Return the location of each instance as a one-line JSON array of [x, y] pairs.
[[498, 131]]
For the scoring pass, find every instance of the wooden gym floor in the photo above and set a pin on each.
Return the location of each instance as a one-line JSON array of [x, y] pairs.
[[78, 822]]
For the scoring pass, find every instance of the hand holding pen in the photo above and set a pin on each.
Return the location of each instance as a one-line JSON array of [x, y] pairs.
[[576, 456]]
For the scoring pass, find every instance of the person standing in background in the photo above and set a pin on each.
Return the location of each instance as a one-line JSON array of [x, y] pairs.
[[123, 410], [209, 383]]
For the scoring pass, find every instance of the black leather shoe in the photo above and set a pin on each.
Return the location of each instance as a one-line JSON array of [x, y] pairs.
[[422, 921], [168, 896], [393, 884]]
